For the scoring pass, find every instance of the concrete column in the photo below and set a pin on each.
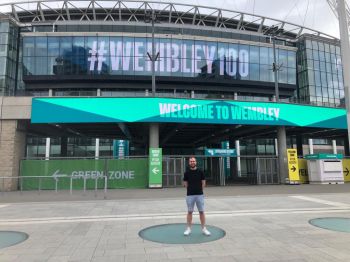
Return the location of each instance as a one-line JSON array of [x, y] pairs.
[[48, 140], [311, 146], [346, 146], [97, 141], [97, 148], [276, 147], [334, 145], [282, 153], [12, 150], [345, 54], [153, 135], [239, 170], [47, 148]]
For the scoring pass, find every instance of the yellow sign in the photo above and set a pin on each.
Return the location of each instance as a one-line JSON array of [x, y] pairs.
[[303, 174], [293, 168], [346, 170]]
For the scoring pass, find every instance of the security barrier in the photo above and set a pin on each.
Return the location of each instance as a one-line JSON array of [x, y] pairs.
[[83, 173], [132, 172]]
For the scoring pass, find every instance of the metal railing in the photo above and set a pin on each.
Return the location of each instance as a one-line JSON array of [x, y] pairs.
[[55, 180], [255, 170]]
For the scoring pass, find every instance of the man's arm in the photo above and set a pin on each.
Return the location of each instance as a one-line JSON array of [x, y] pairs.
[[185, 180], [203, 180]]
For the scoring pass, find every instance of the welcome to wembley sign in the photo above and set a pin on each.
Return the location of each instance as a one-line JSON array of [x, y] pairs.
[[174, 57], [108, 110]]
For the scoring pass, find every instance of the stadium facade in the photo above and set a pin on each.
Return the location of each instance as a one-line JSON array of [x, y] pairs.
[[75, 79]]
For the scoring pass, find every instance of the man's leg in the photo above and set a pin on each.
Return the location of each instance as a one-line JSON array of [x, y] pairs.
[[202, 218], [190, 206], [189, 219], [200, 206]]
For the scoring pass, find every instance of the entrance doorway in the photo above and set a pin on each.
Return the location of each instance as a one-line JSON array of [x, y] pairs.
[[222, 171]]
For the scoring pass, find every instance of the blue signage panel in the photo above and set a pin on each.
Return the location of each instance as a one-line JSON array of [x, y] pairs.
[[220, 152], [324, 156], [170, 110]]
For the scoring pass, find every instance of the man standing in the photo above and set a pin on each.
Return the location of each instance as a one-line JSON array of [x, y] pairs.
[[194, 181]]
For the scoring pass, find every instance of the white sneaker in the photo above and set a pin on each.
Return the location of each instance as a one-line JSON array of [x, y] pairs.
[[206, 231], [187, 231]]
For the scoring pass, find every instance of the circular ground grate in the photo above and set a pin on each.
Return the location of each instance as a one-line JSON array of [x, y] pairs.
[[340, 224], [174, 234], [11, 238]]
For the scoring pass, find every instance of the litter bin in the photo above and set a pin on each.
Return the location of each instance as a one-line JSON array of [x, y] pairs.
[[325, 168]]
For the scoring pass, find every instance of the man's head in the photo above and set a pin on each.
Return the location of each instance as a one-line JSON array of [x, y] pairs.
[[192, 162]]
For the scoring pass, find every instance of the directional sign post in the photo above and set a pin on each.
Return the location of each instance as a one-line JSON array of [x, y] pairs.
[[155, 168], [217, 152], [293, 168], [303, 172], [346, 169]]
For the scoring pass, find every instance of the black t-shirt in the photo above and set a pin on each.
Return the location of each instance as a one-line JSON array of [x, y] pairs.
[[194, 180]]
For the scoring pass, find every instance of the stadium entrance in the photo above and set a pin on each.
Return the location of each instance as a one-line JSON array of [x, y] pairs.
[[217, 132]]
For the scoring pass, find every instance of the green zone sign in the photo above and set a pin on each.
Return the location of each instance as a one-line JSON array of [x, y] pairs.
[[220, 152], [106, 110], [155, 168], [130, 173], [324, 156]]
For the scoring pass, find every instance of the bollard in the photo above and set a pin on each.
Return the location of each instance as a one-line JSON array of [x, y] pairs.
[[105, 189], [21, 184], [84, 185], [39, 185], [96, 186], [71, 185], [56, 184]]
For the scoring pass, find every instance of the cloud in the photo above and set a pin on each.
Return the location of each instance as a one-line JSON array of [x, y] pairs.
[[310, 13]]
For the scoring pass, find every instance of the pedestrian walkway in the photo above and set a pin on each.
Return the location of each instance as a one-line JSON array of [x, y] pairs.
[[262, 223]]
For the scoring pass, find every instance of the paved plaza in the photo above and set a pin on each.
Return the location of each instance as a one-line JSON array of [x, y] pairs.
[[262, 223]]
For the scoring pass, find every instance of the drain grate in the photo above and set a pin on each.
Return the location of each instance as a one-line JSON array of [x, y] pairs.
[[340, 224], [11, 238], [173, 234]]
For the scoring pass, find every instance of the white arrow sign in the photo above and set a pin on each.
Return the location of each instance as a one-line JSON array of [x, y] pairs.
[[57, 174], [155, 171]]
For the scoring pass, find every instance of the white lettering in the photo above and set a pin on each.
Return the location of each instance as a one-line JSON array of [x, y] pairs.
[[138, 56], [195, 58], [243, 63], [116, 57], [128, 48], [175, 58], [209, 54]]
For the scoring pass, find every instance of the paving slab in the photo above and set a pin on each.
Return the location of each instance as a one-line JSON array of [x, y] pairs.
[[269, 224]]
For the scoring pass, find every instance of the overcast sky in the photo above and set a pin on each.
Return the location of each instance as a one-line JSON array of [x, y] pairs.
[[315, 14]]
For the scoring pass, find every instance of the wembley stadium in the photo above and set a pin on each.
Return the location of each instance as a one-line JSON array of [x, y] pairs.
[[94, 80]]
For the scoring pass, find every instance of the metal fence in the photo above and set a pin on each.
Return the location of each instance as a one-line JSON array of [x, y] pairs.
[[254, 170], [20, 180], [267, 171]]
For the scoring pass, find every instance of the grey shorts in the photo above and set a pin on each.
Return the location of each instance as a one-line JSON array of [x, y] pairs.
[[195, 199]]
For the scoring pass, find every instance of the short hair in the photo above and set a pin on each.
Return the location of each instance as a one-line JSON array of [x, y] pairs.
[[192, 157]]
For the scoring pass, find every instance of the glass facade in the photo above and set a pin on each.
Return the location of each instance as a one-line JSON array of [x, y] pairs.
[[113, 55], [320, 73], [8, 57]]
